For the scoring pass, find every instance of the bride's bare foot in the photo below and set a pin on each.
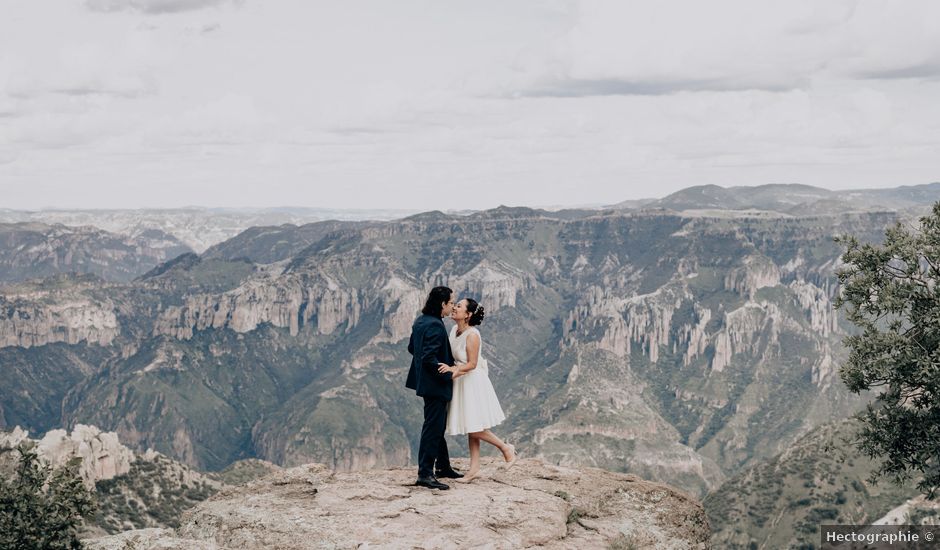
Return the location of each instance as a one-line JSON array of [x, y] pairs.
[[509, 455], [469, 476]]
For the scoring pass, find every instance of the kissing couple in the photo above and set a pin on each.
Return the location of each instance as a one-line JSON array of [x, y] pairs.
[[450, 373]]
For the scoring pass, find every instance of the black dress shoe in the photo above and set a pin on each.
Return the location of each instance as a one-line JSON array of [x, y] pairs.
[[452, 474], [431, 483]]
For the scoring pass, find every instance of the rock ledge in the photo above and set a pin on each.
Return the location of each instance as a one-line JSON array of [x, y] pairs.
[[531, 505]]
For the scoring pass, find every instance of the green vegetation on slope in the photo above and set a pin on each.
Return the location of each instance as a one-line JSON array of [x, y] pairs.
[[780, 502]]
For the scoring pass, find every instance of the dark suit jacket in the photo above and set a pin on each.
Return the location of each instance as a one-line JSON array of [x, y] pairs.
[[429, 345]]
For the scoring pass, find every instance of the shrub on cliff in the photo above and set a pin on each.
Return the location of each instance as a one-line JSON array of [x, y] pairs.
[[41, 507]]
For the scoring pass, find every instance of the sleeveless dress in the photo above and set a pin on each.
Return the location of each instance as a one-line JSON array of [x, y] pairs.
[[474, 406]]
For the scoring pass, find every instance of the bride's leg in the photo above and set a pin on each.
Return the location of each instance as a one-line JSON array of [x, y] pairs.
[[491, 438], [474, 445]]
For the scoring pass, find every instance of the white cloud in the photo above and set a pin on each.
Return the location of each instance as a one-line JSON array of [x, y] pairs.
[[621, 48], [153, 6]]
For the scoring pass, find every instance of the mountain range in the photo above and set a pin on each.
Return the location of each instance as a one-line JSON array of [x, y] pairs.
[[790, 199], [200, 228], [31, 250], [685, 345], [197, 227]]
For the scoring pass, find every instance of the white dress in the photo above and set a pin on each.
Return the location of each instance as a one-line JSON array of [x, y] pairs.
[[474, 406]]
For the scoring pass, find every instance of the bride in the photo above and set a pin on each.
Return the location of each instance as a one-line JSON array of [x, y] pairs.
[[474, 407]]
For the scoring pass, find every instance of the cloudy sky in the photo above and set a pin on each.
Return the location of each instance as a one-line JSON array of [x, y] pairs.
[[452, 105]]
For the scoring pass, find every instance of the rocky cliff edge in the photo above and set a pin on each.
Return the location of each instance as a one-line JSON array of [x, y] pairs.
[[533, 505]]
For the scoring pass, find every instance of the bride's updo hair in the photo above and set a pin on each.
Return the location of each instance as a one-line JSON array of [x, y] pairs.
[[476, 312]]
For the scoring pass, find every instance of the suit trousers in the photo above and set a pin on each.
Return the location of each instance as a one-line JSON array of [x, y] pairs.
[[433, 446]]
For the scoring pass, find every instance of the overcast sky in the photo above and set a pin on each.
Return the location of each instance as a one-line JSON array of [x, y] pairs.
[[420, 105]]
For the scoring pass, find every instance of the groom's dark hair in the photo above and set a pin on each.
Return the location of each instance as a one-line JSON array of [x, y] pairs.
[[436, 299]]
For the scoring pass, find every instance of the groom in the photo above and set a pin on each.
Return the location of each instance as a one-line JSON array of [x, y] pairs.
[[429, 346]]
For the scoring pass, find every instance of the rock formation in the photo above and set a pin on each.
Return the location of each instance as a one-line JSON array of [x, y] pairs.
[[132, 490], [103, 456], [534, 505], [45, 318]]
